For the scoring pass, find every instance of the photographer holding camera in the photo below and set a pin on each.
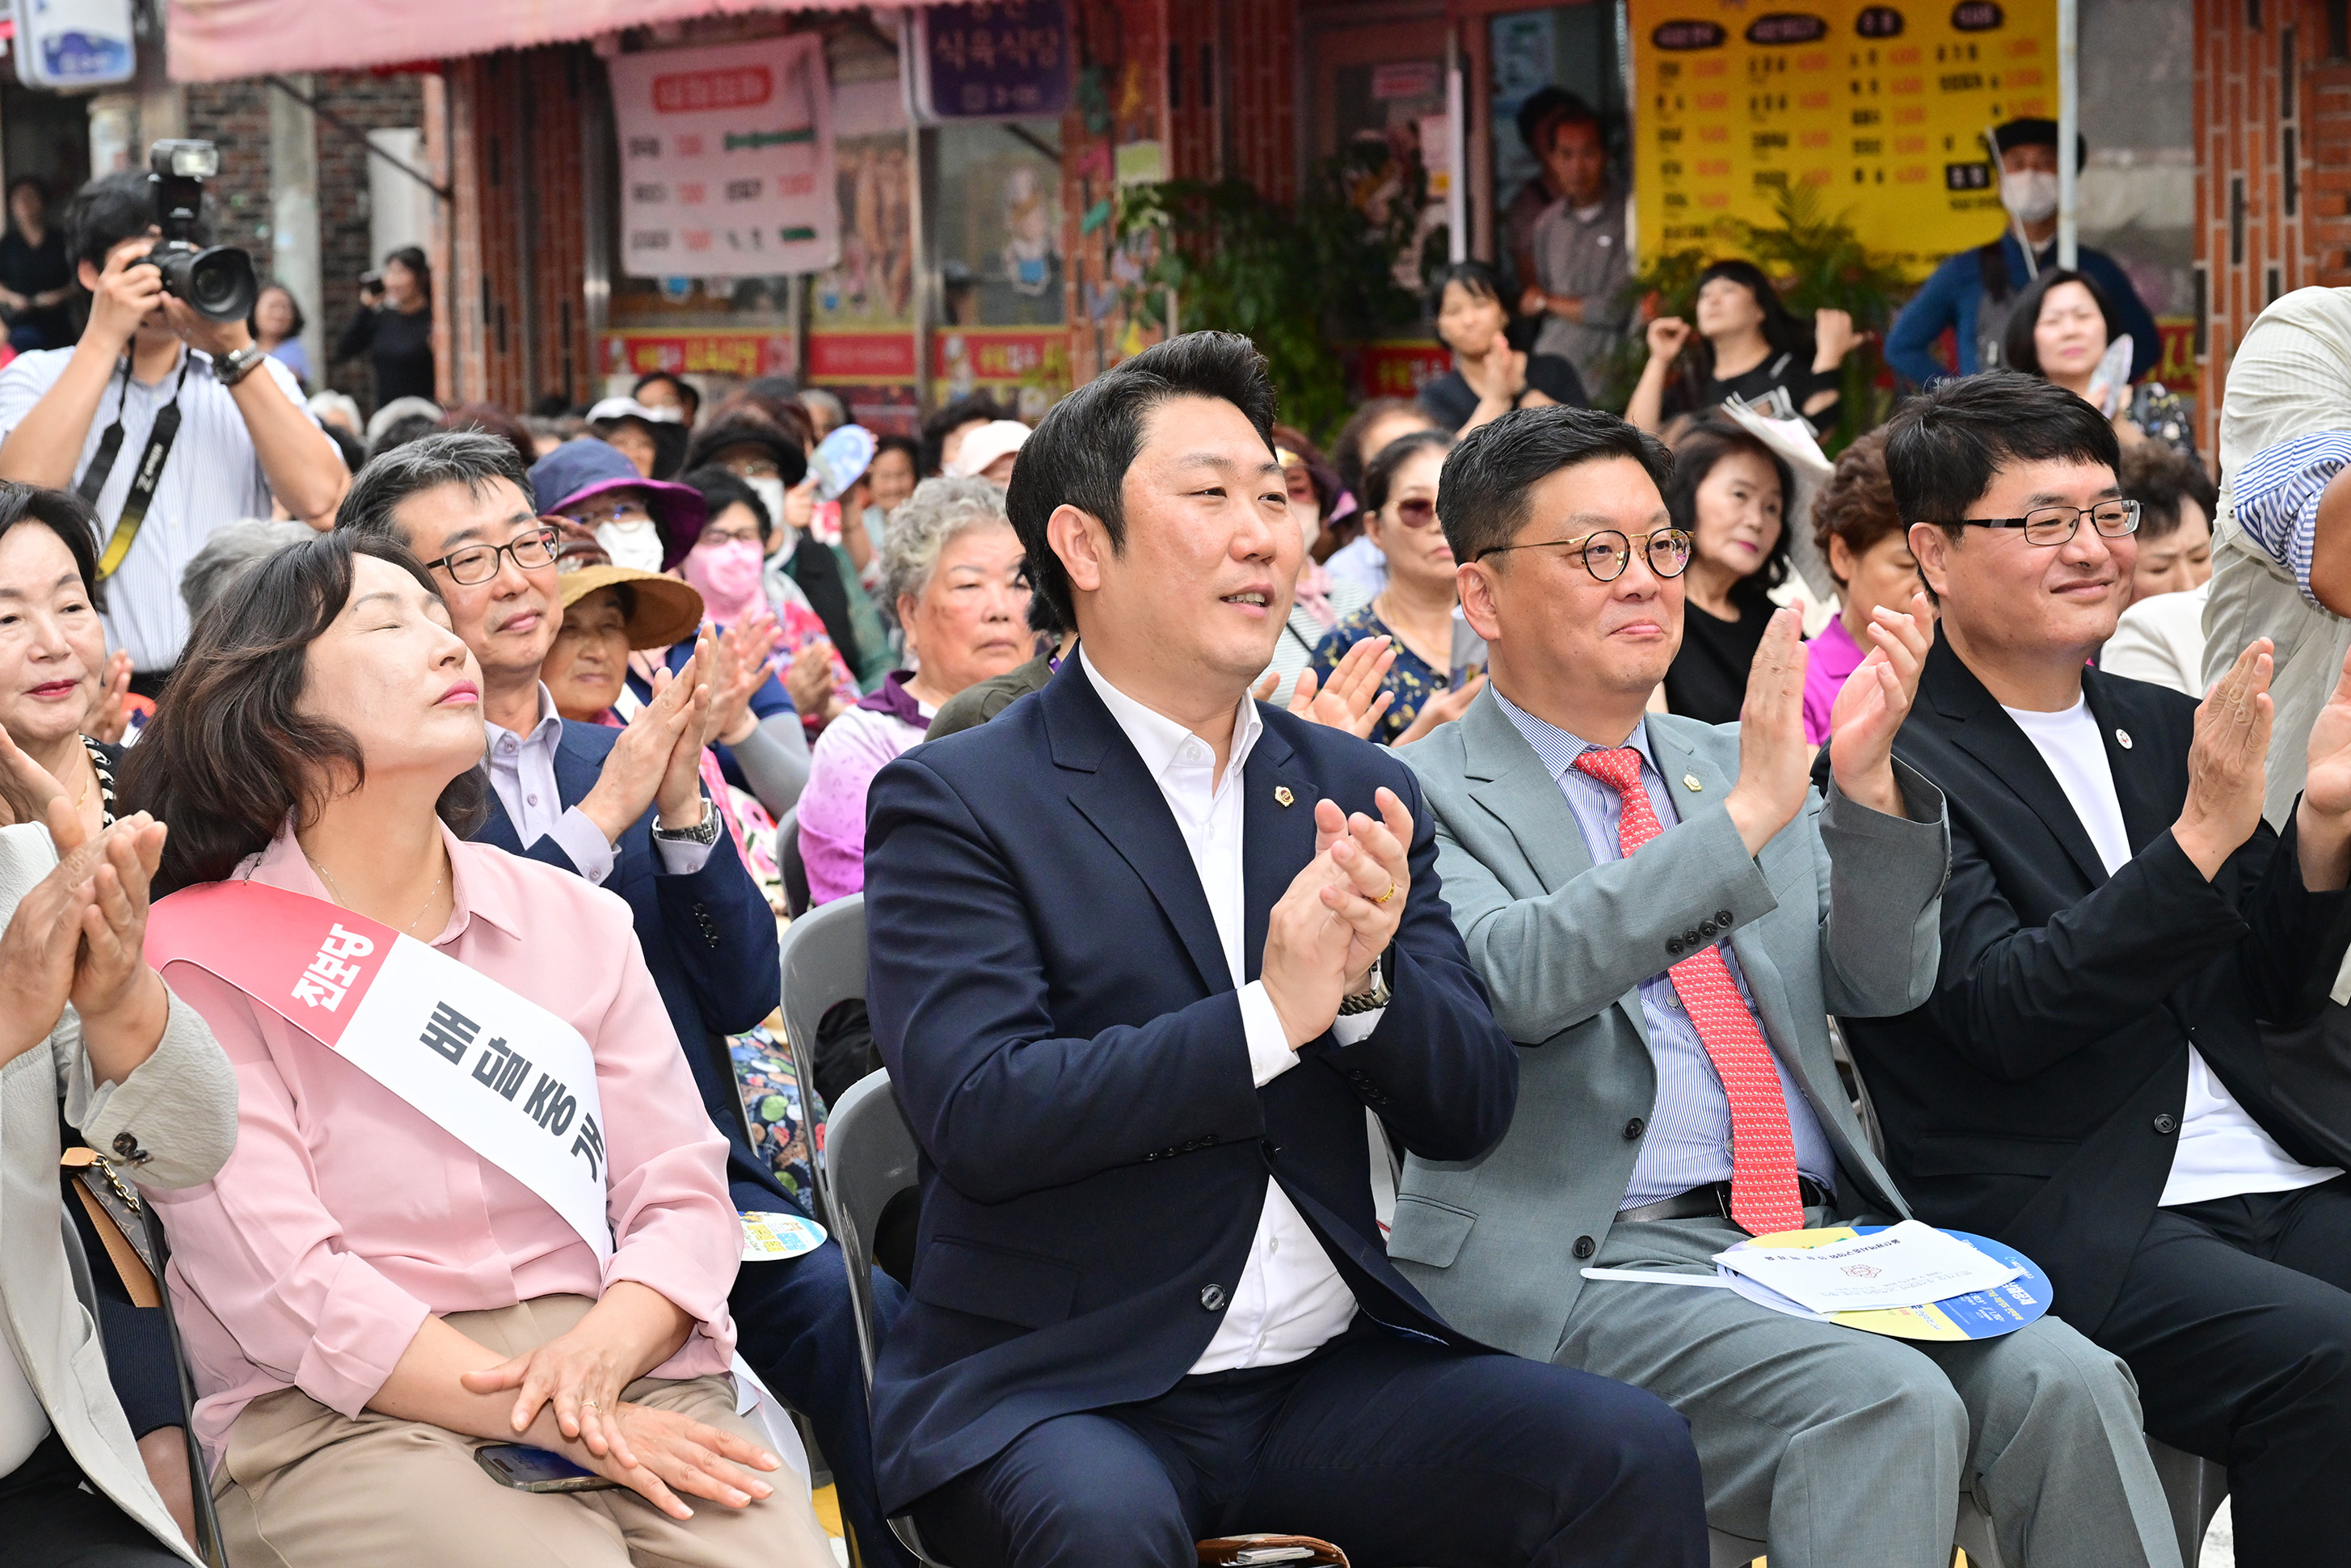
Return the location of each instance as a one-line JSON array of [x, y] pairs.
[[166, 414]]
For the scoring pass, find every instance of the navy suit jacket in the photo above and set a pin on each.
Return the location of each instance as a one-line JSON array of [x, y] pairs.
[[1048, 991], [708, 938]]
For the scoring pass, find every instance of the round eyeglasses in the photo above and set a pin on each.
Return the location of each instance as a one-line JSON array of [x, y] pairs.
[[476, 564], [1607, 554]]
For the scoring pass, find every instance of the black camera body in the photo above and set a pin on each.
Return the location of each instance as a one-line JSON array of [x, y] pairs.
[[215, 281]]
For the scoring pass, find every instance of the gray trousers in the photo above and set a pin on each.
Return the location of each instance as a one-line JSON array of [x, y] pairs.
[[1847, 1449]]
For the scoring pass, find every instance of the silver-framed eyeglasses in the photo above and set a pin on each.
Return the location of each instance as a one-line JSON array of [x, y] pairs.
[[1606, 553], [2056, 525], [477, 564]]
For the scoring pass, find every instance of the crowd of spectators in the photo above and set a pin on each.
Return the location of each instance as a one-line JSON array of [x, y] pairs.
[[1305, 789]]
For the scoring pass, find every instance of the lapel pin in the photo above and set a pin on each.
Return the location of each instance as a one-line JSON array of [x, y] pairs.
[[2122, 739], [1282, 795], [1690, 783]]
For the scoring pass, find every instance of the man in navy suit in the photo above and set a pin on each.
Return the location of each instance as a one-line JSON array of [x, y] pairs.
[[624, 809], [1161, 994]]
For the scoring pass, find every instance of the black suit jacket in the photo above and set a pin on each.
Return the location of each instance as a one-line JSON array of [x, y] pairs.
[[2037, 1097], [708, 938], [1049, 994]]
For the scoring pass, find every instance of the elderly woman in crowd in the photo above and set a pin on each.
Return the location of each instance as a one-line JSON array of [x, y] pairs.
[[1319, 599], [952, 568], [612, 611], [1859, 532], [89, 1476], [1415, 611], [1730, 495], [476, 1204], [53, 663], [230, 553]]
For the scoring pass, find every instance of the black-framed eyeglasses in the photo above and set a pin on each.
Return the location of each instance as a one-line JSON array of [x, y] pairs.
[[477, 564], [1607, 554], [2056, 525]]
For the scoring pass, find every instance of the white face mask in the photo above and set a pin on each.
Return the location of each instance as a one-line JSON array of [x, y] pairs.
[[636, 543], [2030, 197], [1309, 521], [771, 495]]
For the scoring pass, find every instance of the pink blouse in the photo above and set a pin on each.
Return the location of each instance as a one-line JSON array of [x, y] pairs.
[[344, 1217], [842, 765], [1829, 658]]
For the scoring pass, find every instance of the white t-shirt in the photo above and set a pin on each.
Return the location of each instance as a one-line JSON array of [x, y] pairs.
[[2223, 1151]]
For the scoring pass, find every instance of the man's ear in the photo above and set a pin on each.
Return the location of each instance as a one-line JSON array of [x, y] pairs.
[[1931, 547], [1083, 543], [1476, 584]]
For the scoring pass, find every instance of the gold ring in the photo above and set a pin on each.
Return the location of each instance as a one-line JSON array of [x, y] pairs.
[[1388, 895], [589, 1404]]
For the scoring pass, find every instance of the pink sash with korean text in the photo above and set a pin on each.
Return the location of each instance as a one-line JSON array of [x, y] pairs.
[[494, 1070]]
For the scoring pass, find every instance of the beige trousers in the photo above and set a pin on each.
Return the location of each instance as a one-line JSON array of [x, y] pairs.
[[301, 1487]]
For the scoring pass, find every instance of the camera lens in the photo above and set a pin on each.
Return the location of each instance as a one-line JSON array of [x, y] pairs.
[[217, 284]]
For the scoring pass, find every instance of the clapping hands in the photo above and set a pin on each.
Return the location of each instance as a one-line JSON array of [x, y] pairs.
[[1354, 696], [1339, 914]]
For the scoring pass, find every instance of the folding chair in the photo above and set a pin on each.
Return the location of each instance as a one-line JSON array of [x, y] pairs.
[[823, 960], [208, 1537], [788, 862], [870, 1157]]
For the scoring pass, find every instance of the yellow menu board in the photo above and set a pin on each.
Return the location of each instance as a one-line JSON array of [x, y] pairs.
[[1883, 107]]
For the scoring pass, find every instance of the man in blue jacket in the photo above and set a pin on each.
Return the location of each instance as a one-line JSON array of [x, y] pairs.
[[1972, 292], [1161, 975], [624, 809]]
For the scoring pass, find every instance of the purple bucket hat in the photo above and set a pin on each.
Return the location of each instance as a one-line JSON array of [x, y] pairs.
[[578, 469]]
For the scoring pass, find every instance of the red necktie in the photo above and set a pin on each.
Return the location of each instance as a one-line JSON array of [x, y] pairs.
[[1763, 1197]]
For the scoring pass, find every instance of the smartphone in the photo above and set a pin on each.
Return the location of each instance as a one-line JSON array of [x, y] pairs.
[[527, 1468], [1469, 657]]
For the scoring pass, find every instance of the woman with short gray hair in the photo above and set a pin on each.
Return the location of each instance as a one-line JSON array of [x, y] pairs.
[[231, 552], [952, 570]]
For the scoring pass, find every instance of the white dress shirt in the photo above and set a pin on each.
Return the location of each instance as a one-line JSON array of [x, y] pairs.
[[522, 770], [211, 478], [1290, 1300]]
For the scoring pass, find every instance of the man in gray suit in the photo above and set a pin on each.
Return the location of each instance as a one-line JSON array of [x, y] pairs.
[[1679, 1095]]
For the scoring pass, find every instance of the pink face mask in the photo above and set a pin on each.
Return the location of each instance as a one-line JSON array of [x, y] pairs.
[[727, 577]]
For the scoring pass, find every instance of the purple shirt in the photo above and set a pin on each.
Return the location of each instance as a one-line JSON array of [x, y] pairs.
[[1830, 658], [852, 751]]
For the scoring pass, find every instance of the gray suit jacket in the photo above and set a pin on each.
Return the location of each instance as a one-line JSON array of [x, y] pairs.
[[180, 1105], [1839, 913]]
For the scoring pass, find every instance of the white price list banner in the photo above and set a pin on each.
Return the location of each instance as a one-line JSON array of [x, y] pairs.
[[726, 160]]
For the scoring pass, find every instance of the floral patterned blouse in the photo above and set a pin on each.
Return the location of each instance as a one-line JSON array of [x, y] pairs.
[[1412, 681]]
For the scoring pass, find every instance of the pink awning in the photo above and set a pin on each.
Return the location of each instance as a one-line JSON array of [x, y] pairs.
[[219, 40]]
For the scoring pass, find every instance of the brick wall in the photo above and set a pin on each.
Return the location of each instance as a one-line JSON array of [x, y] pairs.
[[2273, 154], [234, 115], [369, 103]]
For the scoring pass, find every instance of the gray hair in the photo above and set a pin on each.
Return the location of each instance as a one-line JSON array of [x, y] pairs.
[[467, 457], [814, 398], [230, 553], [926, 523]]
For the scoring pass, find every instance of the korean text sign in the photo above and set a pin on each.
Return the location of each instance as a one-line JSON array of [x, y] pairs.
[[1882, 109], [997, 59], [726, 160]]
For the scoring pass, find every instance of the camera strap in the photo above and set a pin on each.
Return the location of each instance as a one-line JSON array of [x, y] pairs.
[[149, 474]]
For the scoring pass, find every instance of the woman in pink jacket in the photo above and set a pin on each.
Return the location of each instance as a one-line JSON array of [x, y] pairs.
[[474, 1199]]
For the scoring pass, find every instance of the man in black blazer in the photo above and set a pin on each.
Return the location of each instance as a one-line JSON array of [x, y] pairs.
[[2087, 1081], [624, 809], [1158, 989]]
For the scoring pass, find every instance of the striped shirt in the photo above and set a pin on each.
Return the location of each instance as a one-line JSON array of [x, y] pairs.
[[2276, 494], [213, 477], [1689, 1141]]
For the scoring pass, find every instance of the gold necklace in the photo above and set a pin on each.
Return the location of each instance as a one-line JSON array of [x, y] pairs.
[[331, 887]]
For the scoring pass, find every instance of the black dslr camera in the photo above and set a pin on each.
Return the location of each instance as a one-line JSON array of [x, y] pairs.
[[216, 281]]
